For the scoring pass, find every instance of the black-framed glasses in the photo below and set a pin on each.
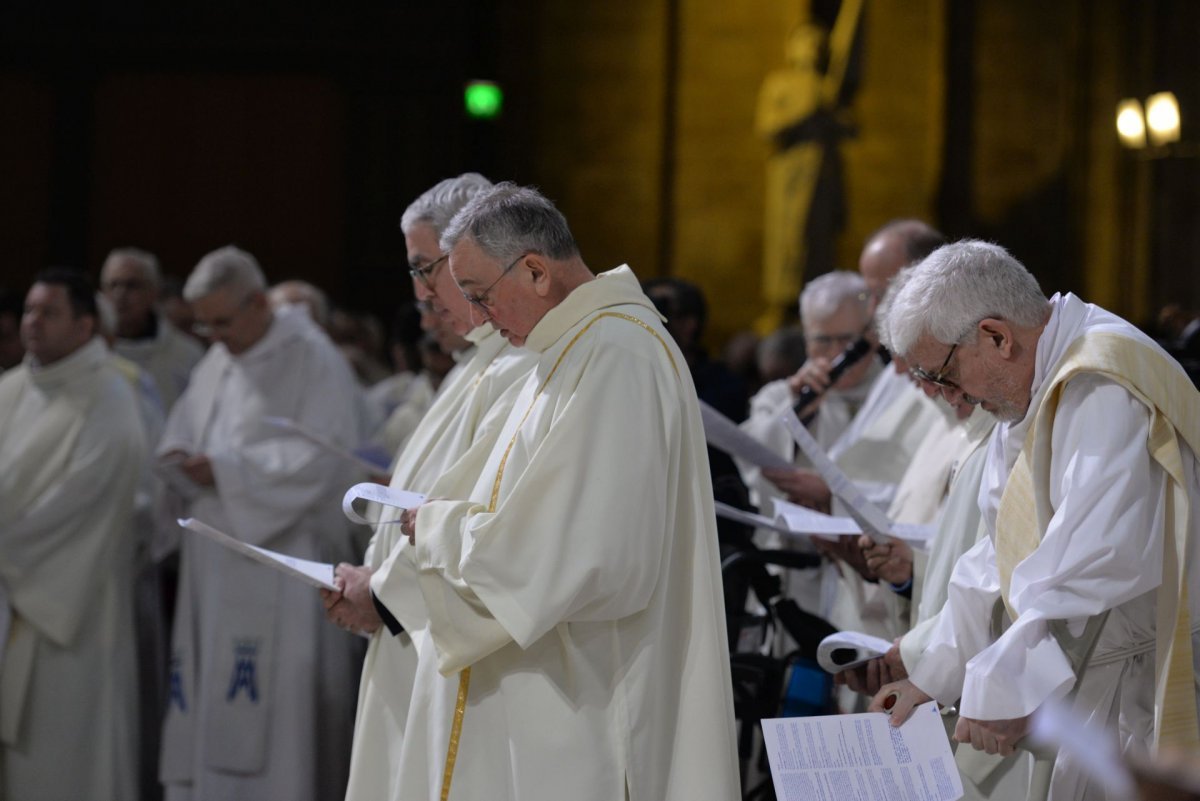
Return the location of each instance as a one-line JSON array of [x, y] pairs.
[[423, 273], [939, 378], [480, 301]]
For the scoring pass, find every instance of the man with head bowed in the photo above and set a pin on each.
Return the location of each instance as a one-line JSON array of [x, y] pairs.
[[573, 595], [443, 457], [1088, 494]]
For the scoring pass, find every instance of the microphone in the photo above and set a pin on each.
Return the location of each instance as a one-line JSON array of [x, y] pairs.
[[844, 361]]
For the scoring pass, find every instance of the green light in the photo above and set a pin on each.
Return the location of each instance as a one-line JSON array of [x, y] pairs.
[[483, 99]]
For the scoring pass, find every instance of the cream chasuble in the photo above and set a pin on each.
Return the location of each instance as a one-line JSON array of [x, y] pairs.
[[73, 448], [454, 437], [580, 584]]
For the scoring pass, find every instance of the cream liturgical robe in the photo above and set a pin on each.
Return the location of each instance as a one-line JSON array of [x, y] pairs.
[[455, 436], [579, 585], [168, 357], [262, 688], [1102, 549], [72, 447]]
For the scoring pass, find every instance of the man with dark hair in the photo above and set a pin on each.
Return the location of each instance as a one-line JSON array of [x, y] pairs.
[[72, 448]]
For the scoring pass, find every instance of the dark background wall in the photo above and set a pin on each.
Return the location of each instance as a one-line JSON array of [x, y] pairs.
[[301, 130]]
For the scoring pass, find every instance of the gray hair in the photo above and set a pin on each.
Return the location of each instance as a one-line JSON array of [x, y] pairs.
[[947, 294], [438, 205], [825, 294], [309, 294], [148, 263], [511, 220], [225, 268]]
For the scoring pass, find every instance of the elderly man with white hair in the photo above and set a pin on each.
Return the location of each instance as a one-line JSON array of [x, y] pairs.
[[261, 689], [1088, 495], [130, 279], [871, 421]]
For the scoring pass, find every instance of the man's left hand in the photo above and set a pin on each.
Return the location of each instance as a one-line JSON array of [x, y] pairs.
[[993, 736]]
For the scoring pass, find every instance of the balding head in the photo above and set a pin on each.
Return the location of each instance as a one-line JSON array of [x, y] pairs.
[[893, 247]]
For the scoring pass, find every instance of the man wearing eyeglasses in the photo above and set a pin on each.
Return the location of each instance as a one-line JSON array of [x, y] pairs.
[[130, 278], [261, 688], [572, 597], [443, 457], [1089, 497]]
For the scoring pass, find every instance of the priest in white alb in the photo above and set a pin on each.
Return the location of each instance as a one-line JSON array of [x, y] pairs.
[[261, 689], [453, 437], [1088, 495], [573, 598], [72, 447]]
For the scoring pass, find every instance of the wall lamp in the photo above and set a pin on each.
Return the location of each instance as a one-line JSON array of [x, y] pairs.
[[1159, 123]]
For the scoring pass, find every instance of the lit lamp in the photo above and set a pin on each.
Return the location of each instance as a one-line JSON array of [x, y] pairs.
[[1131, 124], [1160, 121], [1162, 118]]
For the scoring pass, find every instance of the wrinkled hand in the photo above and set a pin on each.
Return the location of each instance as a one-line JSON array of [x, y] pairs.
[[845, 549], [993, 736], [900, 697], [802, 486], [814, 374], [867, 679], [892, 561], [351, 606], [198, 469]]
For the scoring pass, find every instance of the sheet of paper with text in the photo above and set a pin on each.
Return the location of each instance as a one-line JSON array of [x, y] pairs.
[[862, 758]]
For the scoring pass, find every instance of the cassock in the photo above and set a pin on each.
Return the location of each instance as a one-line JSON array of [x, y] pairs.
[[455, 436], [168, 356], [72, 446], [579, 584], [261, 687], [1102, 548]]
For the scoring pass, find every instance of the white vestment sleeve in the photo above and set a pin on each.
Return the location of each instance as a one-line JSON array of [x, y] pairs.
[[547, 554], [961, 629], [1101, 548]]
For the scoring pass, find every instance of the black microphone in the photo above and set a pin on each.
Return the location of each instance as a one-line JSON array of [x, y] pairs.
[[844, 361]]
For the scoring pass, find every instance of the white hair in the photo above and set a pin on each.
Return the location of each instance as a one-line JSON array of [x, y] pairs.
[[225, 268], [309, 294], [510, 220], [956, 286], [438, 205], [825, 294], [147, 262]]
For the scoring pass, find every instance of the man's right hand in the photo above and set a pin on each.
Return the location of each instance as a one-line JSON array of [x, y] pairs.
[[900, 698], [813, 374]]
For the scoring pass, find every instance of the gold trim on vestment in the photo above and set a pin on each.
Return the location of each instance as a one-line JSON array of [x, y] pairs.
[[464, 675]]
